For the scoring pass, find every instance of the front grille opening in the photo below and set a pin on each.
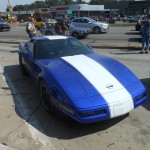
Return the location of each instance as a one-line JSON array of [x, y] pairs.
[[93, 113]]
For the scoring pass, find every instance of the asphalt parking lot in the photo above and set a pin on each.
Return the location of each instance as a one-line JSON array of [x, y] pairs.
[[25, 125]]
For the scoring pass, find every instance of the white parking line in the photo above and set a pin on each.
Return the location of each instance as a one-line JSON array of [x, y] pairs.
[[37, 136]]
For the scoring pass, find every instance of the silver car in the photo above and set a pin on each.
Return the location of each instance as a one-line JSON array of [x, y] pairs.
[[77, 32], [96, 27]]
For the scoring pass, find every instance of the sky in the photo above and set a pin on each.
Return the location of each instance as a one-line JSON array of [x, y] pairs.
[[3, 3]]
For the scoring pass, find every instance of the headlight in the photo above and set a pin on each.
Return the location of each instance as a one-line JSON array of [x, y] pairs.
[[105, 26]]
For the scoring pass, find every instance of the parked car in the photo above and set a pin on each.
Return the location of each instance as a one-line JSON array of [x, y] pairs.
[[4, 26], [71, 78], [39, 22], [77, 32], [1, 20], [96, 27], [131, 19]]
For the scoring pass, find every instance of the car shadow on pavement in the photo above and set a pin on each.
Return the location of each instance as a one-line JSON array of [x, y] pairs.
[[138, 40], [28, 106], [146, 83], [132, 33]]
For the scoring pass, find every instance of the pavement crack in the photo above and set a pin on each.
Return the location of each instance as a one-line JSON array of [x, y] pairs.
[[33, 112]]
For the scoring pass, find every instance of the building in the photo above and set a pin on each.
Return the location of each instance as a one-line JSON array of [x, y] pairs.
[[120, 8], [79, 10], [139, 7]]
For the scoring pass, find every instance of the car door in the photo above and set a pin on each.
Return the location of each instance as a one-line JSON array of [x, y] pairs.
[[86, 23], [77, 22], [30, 62]]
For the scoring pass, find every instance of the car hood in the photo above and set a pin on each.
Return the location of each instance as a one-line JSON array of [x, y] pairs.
[[101, 24], [83, 76]]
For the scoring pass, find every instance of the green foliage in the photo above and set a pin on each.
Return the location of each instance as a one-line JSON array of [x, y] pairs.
[[97, 2], [40, 4]]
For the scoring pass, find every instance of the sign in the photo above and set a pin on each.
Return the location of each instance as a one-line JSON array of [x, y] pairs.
[[69, 12]]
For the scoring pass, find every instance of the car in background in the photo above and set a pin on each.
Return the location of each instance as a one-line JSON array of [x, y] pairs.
[[131, 19], [4, 26], [38, 23], [96, 27], [81, 84], [77, 32], [1, 20]]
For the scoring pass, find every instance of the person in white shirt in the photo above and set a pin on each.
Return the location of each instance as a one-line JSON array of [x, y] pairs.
[[31, 28]]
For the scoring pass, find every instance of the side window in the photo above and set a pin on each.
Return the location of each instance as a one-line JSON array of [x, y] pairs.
[[29, 47], [85, 21], [77, 20]]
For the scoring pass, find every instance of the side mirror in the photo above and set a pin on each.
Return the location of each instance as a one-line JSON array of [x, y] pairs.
[[90, 22], [90, 47]]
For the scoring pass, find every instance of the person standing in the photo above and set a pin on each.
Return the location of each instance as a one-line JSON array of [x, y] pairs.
[[146, 35], [31, 28], [65, 26]]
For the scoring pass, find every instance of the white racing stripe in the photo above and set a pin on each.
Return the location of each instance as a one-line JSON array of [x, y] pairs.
[[56, 37], [120, 102]]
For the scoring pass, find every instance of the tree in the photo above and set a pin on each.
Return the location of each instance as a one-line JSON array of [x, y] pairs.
[[97, 2]]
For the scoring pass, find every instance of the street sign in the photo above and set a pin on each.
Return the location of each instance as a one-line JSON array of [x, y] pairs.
[[69, 12]]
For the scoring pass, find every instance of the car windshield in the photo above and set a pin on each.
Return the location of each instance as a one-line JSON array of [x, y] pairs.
[[92, 20], [46, 49]]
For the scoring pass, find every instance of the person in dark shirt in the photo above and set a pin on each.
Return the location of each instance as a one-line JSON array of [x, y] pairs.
[[146, 35], [65, 26]]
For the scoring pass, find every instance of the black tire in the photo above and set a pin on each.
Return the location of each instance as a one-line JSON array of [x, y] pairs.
[[76, 35], [48, 33], [97, 30], [22, 68], [46, 97]]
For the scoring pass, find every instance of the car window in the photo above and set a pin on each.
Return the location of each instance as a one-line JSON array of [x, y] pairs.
[[59, 48], [85, 21], [77, 20], [29, 46], [92, 20]]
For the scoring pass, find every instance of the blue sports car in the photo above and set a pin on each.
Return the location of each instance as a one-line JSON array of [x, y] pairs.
[[73, 79]]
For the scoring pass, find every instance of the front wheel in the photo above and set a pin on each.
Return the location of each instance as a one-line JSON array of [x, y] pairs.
[[49, 33], [97, 30], [76, 35], [46, 97]]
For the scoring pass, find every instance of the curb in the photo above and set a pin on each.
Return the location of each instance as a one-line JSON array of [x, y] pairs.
[[3, 147], [134, 46]]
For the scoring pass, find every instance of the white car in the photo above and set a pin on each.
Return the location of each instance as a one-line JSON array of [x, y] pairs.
[[76, 32], [96, 27]]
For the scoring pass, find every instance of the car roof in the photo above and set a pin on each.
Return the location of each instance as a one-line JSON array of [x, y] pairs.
[[51, 37], [83, 18]]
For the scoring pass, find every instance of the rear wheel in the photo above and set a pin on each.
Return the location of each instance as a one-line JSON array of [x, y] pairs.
[[49, 33], [75, 34], [46, 97], [23, 69], [97, 30]]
